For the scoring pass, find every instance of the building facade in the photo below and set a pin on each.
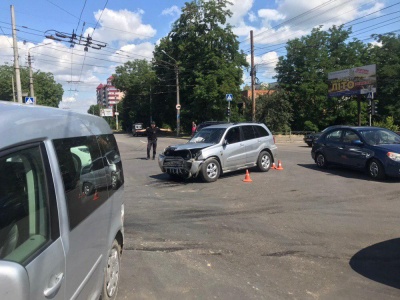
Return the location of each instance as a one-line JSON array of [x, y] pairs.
[[107, 94]]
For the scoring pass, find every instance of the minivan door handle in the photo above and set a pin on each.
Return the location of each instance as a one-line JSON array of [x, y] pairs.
[[55, 282]]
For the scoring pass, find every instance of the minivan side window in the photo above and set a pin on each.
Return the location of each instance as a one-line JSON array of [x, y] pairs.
[[25, 209], [260, 131], [91, 170], [248, 132]]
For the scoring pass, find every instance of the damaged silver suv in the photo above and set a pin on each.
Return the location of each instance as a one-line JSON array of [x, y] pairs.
[[219, 149]]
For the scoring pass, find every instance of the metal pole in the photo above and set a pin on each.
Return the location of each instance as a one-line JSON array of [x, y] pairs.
[[16, 59], [253, 99], [370, 115], [178, 106], [30, 75], [12, 81]]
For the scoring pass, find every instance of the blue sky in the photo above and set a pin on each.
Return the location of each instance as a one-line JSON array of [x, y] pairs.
[[131, 29]]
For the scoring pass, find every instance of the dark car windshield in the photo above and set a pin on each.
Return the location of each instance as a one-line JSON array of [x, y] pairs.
[[208, 135], [379, 136]]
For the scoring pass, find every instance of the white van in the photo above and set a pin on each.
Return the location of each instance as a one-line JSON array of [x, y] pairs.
[[59, 238]]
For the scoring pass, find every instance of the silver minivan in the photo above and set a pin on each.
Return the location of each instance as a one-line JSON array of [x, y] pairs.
[[219, 149], [57, 240]]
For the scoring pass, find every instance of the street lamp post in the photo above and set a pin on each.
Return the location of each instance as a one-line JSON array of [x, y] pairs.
[[178, 105], [32, 93]]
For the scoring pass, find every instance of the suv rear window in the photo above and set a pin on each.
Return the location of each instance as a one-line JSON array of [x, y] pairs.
[[260, 131]]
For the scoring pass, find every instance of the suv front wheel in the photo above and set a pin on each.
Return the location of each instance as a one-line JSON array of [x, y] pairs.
[[210, 170], [264, 161]]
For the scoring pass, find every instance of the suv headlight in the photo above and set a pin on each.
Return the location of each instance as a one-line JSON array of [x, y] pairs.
[[394, 156]]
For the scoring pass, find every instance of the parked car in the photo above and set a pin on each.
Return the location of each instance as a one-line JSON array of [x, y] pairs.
[[55, 241], [373, 149], [218, 149], [208, 123], [310, 138]]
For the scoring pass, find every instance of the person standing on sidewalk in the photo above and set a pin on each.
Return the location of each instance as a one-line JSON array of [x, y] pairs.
[[194, 127], [152, 133]]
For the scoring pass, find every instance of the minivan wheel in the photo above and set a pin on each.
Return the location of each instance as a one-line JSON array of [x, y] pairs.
[[264, 161], [375, 169], [111, 276], [321, 161], [210, 170]]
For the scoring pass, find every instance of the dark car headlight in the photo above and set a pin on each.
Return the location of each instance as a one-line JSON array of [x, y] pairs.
[[394, 156]]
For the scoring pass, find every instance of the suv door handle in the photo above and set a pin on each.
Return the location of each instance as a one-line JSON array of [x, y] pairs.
[[56, 282]]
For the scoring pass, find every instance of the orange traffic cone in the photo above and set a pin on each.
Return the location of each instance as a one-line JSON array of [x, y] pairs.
[[96, 196], [279, 165], [247, 177], [273, 166]]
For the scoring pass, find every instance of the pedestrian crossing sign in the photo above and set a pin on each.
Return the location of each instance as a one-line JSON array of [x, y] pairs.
[[29, 100], [229, 97]]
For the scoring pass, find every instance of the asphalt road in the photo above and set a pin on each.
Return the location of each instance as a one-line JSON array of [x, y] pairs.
[[299, 233]]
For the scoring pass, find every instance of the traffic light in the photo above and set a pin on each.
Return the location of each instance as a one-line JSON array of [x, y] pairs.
[[228, 111], [369, 109], [375, 107]]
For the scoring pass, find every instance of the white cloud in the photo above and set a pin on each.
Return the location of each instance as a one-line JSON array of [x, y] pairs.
[[252, 17], [172, 11], [270, 14], [123, 26], [240, 9]]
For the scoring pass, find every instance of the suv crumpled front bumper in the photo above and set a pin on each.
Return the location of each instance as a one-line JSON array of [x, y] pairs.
[[176, 165]]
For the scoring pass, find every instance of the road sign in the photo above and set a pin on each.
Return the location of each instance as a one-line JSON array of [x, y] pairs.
[[229, 97], [29, 100], [178, 106], [370, 95]]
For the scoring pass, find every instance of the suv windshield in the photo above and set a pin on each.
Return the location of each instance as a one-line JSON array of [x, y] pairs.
[[208, 135]]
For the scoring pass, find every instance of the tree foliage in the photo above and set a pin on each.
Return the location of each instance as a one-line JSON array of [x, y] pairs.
[[203, 48], [303, 74], [47, 91]]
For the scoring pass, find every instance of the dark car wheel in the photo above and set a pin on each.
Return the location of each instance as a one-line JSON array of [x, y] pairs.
[[114, 181], [210, 170], [309, 144], [264, 161], [375, 169], [321, 161]]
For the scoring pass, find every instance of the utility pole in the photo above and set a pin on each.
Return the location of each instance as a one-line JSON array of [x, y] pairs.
[[178, 105], [252, 74], [12, 82], [16, 59], [30, 76]]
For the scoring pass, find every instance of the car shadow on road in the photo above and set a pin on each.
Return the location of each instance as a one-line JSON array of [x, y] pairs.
[[347, 173], [379, 262]]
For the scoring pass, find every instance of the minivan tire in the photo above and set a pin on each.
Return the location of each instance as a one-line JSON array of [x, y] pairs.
[[210, 170], [111, 273], [264, 161]]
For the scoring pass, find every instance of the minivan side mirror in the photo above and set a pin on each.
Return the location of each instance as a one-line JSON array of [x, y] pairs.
[[14, 281]]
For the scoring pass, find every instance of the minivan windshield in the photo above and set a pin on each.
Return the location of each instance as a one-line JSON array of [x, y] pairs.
[[208, 135]]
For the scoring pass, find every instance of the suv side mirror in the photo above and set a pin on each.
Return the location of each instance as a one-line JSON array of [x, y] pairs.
[[225, 142]]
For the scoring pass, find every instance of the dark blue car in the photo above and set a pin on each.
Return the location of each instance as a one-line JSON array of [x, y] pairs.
[[374, 149]]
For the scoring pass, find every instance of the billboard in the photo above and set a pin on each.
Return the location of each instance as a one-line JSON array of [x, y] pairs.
[[355, 81], [106, 112]]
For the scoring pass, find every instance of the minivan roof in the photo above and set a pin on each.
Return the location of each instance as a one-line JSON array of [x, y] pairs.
[[23, 123]]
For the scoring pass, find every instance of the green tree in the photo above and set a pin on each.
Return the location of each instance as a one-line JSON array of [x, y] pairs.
[[137, 80], [202, 46], [47, 91], [386, 57], [303, 75]]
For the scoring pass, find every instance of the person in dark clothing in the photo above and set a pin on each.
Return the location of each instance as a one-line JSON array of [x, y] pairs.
[[152, 132]]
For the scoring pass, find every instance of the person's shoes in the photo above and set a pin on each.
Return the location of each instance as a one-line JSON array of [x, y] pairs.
[[154, 157], [147, 158]]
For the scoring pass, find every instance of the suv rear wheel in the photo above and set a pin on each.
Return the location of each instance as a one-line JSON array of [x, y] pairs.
[[210, 170], [264, 161]]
